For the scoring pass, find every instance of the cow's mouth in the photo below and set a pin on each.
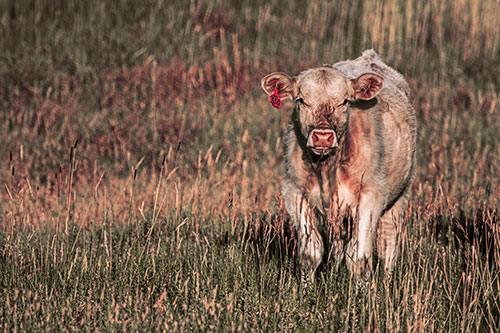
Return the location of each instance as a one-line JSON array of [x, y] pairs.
[[321, 151]]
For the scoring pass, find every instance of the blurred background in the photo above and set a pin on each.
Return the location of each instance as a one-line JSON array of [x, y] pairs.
[[98, 98]]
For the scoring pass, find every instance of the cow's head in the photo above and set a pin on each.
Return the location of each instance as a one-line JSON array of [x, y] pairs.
[[322, 96]]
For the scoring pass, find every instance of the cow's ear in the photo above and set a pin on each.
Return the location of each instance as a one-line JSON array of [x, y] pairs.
[[366, 86], [280, 81]]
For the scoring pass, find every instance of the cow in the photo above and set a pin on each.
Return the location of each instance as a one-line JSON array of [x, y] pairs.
[[349, 152]]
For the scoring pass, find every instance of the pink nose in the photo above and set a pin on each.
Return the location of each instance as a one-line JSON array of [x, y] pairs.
[[323, 138]]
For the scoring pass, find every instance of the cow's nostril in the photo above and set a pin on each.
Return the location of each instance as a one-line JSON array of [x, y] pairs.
[[315, 138]]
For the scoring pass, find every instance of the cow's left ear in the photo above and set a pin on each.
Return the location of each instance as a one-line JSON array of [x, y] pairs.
[[366, 86]]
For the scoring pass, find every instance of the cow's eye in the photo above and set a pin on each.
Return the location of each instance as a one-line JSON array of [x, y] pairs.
[[344, 103], [301, 102]]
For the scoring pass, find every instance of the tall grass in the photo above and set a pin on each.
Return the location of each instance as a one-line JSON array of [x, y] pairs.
[[141, 165]]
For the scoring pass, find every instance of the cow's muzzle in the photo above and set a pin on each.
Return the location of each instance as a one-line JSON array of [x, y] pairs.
[[322, 140]]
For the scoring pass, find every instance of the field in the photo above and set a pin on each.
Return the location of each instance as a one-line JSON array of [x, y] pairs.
[[141, 166]]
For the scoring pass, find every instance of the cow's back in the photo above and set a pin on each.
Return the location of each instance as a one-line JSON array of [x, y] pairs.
[[371, 62]]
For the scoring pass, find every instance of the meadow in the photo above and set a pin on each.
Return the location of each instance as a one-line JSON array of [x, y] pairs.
[[141, 166]]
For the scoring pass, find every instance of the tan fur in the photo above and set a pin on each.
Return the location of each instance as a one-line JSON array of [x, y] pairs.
[[367, 175]]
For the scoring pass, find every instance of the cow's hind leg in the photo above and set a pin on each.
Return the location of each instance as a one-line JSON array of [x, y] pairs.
[[310, 243], [389, 233]]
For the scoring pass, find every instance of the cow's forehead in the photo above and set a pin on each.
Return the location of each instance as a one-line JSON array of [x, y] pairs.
[[322, 84]]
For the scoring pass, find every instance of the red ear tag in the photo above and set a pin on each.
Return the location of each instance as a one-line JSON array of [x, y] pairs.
[[275, 99]]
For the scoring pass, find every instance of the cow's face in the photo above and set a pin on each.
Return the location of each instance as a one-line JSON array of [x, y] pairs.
[[321, 97]]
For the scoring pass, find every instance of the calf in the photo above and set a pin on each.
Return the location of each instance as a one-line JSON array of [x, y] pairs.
[[349, 151]]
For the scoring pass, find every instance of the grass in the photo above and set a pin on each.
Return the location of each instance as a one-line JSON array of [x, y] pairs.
[[141, 166]]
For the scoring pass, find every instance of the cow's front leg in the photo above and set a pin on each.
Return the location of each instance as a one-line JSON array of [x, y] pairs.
[[360, 247], [310, 243]]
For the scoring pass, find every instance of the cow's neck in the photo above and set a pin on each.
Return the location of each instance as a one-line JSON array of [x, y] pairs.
[[326, 172]]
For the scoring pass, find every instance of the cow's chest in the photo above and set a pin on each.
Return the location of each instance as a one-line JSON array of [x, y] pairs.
[[332, 198]]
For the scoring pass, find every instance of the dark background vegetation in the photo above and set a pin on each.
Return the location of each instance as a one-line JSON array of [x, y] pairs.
[[141, 165]]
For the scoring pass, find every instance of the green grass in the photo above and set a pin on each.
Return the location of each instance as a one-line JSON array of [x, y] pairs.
[[188, 273], [141, 166]]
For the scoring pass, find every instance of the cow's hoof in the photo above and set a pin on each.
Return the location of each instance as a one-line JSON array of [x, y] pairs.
[[306, 279]]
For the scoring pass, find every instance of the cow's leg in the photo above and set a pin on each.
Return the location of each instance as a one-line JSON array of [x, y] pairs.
[[390, 231], [360, 247], [310, 243]]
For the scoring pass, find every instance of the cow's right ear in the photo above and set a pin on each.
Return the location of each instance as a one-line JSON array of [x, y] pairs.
[[280, 81], [366, 86]]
